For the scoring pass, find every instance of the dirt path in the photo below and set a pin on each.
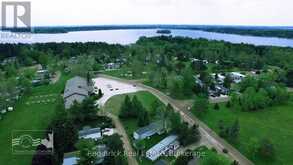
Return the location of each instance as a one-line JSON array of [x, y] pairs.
[[127, 145], [208, 135]]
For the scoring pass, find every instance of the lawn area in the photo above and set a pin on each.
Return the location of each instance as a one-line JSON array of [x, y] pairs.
[[274, 123], [203, 153], [32, 112], [124, 73], [113, 105]]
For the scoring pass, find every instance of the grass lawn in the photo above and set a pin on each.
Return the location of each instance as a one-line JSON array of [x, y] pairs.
[[202, 153], [274, 123], [113, 105], [130, 125], [33, 116], [124, 73]]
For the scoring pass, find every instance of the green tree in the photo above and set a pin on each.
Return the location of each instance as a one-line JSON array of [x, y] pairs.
[[115, 146], [100, 93], [176, 88], [289, 77], [188, 81], [175, 120], [139, 146], [228, 81], [216, 107], [200, 105], [136, 106], [87, 150], [234, 130], [65, 133], [143, 118], [266, 149], [184, 158], [126, 107], [155, 107], [214, 159], [252, 147]]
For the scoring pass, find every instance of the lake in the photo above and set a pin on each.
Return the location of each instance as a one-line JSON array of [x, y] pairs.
[[131, 36]]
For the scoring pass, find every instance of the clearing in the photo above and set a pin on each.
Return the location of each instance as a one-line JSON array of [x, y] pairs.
[[274, 123]]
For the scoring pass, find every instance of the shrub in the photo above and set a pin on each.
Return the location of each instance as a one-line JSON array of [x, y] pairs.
[[228, 104], [225, 151], [216, 107], [214, 150]]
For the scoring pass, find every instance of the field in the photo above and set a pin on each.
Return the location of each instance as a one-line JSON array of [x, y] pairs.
[[274, 123], [203, 154], [124, 72], [32, 112], [130, 125]]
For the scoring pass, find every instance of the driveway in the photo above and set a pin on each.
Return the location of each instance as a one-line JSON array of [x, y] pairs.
[[111, 88], [131, 159]]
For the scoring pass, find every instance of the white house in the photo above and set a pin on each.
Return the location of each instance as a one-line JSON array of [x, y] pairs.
[[149, 130], [167, 145], [101, 152], [237, 77], [90, 133], [111, 66], [218, 77]]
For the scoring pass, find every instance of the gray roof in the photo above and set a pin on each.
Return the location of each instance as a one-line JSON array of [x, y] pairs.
[[76, 85], [156, 126], [156, 151], [89, 131], [101, 152]]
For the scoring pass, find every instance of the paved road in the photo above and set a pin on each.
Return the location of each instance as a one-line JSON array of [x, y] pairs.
[[211, 137]]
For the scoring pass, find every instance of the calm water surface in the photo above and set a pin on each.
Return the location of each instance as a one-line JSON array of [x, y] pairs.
[[131, 36]]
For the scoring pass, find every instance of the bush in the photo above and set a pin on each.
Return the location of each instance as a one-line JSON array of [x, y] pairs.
[[216, 107], [266, 149], [228, 105], [214, 150], [225, 151]]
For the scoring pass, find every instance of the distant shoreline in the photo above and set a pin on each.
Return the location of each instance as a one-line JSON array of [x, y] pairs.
[[262, 31]]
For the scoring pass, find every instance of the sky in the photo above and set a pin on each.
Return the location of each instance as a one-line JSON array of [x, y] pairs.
[[197, 12]]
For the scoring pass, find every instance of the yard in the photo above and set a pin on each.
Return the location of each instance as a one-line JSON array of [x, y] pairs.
[[203, 155], [32, 112], [130, 125], [274, 123]]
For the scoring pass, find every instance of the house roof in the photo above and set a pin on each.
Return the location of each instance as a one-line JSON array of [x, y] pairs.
[[76, 85], [155, 151], [86, 132], [101, 153], [156, 126], [237, 74]]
